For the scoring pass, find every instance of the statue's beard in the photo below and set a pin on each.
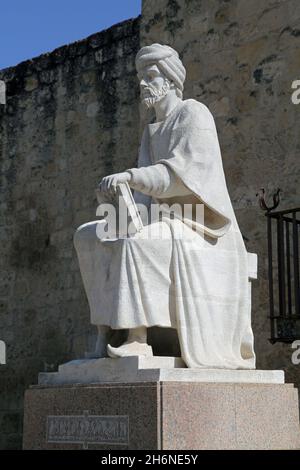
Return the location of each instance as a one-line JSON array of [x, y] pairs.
[[155, 95]]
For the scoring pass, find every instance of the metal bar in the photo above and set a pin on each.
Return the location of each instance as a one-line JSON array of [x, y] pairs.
[[288, 267], [275, 317], [296, 265], [286, 211], [288, 310], [281, 269], [270, 272], [290, 219]]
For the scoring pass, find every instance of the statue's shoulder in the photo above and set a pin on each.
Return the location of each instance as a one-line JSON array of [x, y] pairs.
[[197, 112]]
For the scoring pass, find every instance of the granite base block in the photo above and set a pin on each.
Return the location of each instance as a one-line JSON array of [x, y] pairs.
[[162, 415]]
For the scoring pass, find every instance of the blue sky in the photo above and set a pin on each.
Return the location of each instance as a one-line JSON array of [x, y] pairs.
[[31, 27]]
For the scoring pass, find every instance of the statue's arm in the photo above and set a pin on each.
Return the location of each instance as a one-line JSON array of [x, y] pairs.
[[157, 181]]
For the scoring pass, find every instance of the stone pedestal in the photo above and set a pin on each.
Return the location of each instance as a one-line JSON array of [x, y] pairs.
[[161, 414], [150, 369]]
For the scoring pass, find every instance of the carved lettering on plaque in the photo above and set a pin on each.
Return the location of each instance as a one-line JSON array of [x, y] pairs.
[[88, 429]]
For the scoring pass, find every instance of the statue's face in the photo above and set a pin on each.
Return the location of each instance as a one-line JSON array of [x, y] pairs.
[[153, 85]]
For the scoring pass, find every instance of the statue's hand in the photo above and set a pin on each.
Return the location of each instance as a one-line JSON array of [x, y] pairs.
[[110, 182]]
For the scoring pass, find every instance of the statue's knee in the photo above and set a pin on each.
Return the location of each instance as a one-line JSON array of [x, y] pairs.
[[78, 236], [84, 233]]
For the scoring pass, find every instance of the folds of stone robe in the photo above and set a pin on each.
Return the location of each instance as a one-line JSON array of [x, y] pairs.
[[197, 282], [125, 278]]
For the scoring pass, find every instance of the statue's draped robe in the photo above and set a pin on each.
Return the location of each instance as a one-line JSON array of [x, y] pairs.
[[197, 281]]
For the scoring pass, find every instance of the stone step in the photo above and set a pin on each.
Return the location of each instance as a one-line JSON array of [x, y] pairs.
[[150, 369]]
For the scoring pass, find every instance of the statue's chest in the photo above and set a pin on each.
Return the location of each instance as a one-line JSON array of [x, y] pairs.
[[159, 139]]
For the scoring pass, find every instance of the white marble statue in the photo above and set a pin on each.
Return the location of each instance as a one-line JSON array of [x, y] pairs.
[[198, 284]]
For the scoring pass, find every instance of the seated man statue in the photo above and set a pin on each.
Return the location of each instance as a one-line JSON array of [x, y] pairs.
[[196, 284]]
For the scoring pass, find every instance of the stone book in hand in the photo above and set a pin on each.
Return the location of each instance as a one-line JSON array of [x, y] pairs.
[[122, 200]]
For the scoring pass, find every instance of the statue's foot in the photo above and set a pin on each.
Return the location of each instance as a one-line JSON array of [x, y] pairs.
[[133, 348], [99, 352], [104, 334]]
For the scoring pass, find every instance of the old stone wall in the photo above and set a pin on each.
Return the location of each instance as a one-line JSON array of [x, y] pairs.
[[241, 58], [71, 118]]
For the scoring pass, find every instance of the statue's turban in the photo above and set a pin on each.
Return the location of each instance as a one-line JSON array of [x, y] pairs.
[[167, 60]]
